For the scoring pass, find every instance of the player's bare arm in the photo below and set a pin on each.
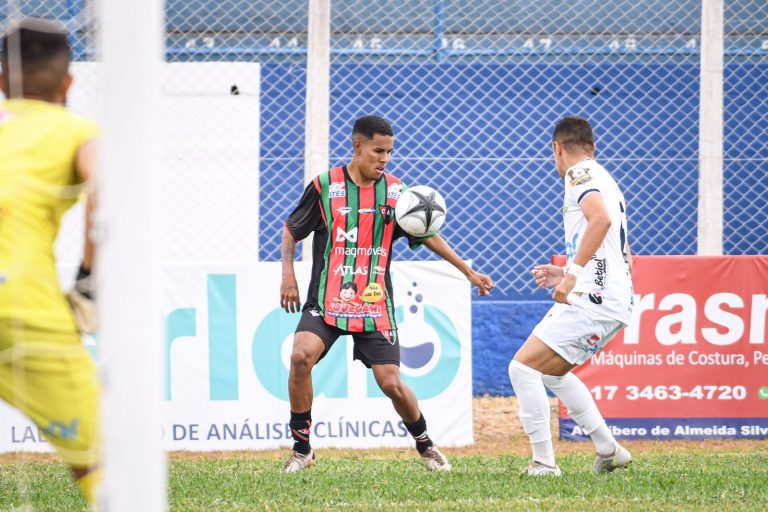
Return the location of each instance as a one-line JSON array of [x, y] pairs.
[[81, 296], [440, 247], [289, 288], [598, 223], [85, 165]]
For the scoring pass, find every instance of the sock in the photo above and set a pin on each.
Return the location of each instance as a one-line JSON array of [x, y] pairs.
[[89, 484], [301, 423], [583, 409], [418, 430], [534, 410]]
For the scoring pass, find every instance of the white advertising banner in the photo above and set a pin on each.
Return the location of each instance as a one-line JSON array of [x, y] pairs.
[[227, 350]]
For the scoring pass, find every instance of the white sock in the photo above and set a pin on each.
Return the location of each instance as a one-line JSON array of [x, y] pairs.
[[534, 410], [583, 409]]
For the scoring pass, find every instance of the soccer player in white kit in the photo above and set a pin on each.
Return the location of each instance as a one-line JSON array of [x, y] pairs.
[[593, 295]]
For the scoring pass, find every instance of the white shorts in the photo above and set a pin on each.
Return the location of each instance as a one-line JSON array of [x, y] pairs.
[[576, 331]]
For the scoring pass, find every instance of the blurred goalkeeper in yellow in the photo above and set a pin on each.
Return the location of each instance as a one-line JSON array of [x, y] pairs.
[[47, 156]]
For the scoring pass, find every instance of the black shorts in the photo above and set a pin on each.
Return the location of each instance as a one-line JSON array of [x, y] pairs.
[[377, 347]]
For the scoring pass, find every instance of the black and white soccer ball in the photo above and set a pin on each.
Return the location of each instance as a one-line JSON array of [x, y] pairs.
[[420, 211]]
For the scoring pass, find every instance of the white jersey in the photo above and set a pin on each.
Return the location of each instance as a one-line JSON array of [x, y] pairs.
[[605, 277]]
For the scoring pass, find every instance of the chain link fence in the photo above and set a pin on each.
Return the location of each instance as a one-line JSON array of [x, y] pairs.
[[473, 90], [745, 163]]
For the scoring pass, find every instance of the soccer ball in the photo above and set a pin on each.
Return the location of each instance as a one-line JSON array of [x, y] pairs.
[[420, 211]]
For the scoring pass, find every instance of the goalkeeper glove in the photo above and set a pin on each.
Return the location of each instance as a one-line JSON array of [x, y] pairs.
[[80, 299]]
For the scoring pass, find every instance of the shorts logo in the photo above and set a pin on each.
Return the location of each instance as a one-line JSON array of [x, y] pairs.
[[337, 189], [390, 336], [62, 430], [589, 344], [315, 312], [596, 298]]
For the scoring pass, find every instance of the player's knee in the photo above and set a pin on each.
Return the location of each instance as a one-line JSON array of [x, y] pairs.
[[519, 373], [392, 386], [302, 359]]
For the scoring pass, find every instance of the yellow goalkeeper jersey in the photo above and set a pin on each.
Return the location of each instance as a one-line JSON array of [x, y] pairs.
[[39, 142]]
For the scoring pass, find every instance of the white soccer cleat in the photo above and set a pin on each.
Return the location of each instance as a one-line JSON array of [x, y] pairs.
[[536, 468], [435, 460], [619, 459], [298, 461]]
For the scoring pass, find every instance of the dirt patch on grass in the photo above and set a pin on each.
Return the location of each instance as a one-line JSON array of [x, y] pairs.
[[497, 432]]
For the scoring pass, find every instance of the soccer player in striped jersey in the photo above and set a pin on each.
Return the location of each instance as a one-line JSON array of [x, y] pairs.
[[350, 210], [47, 155], [594, 299]]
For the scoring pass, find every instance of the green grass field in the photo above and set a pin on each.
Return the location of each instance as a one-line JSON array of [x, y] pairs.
[[690, 479]]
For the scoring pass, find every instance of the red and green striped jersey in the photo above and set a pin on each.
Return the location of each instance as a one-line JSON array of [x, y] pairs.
[[354, 229]]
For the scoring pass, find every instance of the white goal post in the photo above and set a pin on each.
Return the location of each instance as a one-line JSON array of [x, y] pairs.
[[131, 46]]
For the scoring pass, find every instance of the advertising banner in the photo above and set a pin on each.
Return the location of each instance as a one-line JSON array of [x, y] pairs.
[[693, 363], [227, 350]]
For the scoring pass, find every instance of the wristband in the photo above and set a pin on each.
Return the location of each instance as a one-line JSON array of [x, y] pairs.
[[575, 269]]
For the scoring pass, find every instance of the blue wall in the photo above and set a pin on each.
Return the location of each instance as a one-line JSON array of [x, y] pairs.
[[499, 205]]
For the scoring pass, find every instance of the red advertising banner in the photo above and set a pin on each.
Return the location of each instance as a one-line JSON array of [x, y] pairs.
[[693, 363]]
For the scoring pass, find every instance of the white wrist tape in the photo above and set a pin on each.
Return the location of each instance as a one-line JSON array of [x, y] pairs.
[[575, 269]]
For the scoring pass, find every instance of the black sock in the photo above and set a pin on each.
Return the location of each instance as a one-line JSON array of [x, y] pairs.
[[301, 423], [418, 430]]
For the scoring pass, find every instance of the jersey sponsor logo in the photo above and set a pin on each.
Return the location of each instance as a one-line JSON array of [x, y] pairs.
[[344, 210], [366, 210], [394, 191], [348, 294], [579, 175], [360, 251], [352, 310], [350, 270], [387, 212], [337, 189], [379, 271], [373, 293], [599, 271], [596, 298], [349, 236]]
